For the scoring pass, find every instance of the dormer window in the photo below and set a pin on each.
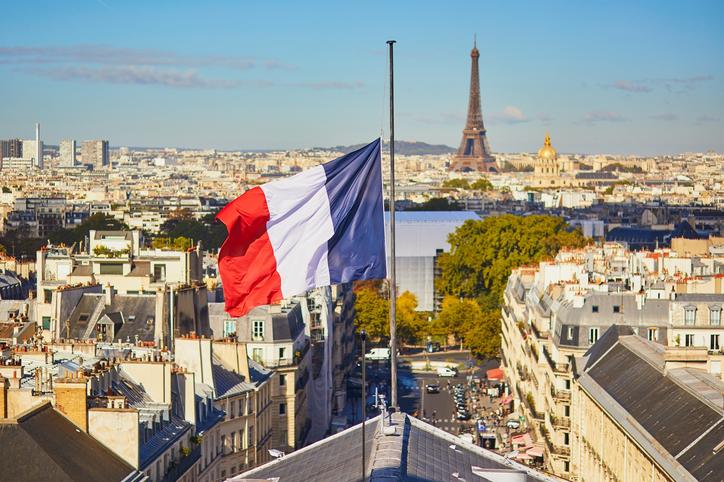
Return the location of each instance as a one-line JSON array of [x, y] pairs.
[[257, 330], [616, 309], [594, 309]]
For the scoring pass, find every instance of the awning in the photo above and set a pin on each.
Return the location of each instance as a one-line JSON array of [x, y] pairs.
[[536, 451], [506, 400], [495, 374], [524, 439], [522, 456]]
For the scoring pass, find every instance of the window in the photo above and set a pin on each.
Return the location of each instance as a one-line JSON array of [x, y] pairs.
[[223, 441], [282, 409], [652, 334], [567, 410], [46, 323], [570, 333], [229, 327], [256, 354], [689, 340], [566, 466], [282, 380], [251, 436], [616, 309], [594, 309], [83, 317], [282, 353], [257, 332], [566, 438], [159, 272], [715, 316], [714, 342], [592, 335], [689, 315]]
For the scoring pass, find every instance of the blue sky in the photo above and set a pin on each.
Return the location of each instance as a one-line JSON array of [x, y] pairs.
[[603, 77]]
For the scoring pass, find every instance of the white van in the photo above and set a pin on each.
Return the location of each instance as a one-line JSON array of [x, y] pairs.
[[378, 354], [446, 372]]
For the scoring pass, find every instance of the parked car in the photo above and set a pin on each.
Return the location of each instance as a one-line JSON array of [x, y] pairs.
[[463, 416], [432, 388]]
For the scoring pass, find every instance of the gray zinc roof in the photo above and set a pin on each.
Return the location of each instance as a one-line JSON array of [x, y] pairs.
[[675, 417], [416, 451]]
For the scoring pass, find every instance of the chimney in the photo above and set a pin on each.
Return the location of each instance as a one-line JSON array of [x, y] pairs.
[[71, 400], [3, 398], [109, 294]]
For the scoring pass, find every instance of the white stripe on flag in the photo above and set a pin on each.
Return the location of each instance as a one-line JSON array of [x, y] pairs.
[[299, 226]]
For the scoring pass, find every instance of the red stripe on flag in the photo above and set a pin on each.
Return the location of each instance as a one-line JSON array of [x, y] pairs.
[[247, 265]]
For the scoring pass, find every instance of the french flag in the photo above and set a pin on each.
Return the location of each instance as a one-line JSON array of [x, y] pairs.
[[320, 227]]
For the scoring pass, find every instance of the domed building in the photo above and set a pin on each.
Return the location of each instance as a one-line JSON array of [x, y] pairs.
[[547, 169]]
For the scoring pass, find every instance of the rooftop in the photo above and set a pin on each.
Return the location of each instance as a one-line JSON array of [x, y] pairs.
[[405, 448]]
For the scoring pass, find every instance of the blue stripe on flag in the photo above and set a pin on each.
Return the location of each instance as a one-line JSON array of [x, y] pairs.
[[354, 186]]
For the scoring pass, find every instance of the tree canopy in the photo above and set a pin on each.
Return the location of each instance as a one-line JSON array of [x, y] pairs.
[[475, 272], [98, 222], [372, 312], [208, 230], [483, 253]]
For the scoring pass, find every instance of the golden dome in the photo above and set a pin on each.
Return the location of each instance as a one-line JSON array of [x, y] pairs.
[[547, 151]]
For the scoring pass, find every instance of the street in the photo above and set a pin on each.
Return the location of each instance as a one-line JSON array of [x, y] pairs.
[[435, 408]]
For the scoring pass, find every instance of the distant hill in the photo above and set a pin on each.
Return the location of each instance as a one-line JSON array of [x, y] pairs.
[[404, 148]]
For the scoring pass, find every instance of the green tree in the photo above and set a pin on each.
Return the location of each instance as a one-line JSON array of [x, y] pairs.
[[483, 338], [411, 324], [208, 230], [371, 313], [482, 184], [98, 222], [457, 316], [456, 183], [483, 253]]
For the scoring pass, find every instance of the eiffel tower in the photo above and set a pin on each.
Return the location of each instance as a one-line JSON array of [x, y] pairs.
[[474, 151]]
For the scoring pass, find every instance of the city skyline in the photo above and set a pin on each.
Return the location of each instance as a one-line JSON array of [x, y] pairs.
[[614, 79]]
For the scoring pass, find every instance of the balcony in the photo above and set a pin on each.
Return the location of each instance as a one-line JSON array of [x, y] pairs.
[[557, 450], [564, 422], [556, 367], [563, 395]]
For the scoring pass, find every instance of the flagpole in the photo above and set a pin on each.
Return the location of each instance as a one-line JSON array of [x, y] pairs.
[[393, 279]]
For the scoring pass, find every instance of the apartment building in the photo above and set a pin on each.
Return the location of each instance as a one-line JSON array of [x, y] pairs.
[[276, 338], [556, 311], [95, 153], [646, 412], [115, 288]]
